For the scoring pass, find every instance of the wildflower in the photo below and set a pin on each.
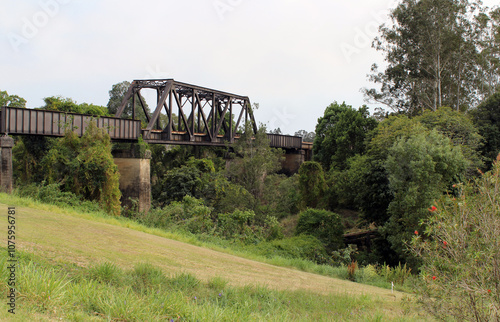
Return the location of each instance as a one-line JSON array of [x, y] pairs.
[[434, 278], [432, 209], [489, 291], [445, 243], [416, 232]]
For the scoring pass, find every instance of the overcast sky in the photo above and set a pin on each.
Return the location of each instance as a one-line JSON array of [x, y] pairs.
[[293, 57]]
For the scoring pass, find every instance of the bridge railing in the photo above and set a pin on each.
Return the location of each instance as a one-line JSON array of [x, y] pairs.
[[54, 123]]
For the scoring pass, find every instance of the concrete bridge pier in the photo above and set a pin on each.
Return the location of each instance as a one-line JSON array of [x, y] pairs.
[[135, 182], [293, 159], [6, 145]]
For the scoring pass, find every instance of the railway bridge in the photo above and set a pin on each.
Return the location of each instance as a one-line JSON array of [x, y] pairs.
[[184, 114]]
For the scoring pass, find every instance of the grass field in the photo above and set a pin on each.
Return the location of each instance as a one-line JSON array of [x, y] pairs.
[[64, 240]]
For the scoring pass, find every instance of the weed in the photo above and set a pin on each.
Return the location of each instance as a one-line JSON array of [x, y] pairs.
[[184, 281], [106, 273]]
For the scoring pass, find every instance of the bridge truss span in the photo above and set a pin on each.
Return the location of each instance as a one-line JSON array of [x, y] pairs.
[[189, 113]]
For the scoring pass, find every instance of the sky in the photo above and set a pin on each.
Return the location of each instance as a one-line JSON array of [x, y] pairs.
[[292, 57]]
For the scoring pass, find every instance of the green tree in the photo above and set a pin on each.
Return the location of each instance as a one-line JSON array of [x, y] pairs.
[[196, 179], [62, 104], [116, 95], [460, 129], [420, 168], [312, 185], [432, 52], [306, 136], [11, 100], [253, 160], [340, 134], [85, 167]]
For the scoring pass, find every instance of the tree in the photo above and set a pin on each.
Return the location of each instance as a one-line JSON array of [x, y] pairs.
[[420, 169], [340, 134], [62, 104], [11, 100], [432, 52], [85, 167], [460, 129], [306, 136], [252, 160], [116, 95]]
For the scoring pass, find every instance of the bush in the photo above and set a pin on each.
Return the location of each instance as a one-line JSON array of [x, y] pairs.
[[460, 275], [190, 214], [297, 247], [235, 224], [51, 194], [324, 225]]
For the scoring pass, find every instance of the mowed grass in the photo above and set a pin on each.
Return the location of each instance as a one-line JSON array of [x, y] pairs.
[[102, 247]]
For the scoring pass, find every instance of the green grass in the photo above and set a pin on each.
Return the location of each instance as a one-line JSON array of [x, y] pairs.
[[136, 270], [104, 292], [214, 243]]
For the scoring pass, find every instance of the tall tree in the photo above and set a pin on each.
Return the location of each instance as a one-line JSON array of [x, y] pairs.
[[432, 50]]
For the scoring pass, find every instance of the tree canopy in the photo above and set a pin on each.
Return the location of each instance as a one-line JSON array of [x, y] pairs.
[[438, 53], [340, 134], [11, 100]]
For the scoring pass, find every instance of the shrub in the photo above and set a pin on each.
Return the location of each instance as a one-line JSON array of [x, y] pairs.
[[298, 247], [146, 276], [51, 194], [322, 224], [234, 224], [106, 273], [460, 275]]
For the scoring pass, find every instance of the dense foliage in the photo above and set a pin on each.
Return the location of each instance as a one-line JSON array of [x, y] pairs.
[[312, 185], [459, 247], [322, 224], [487, 119], [340, 134]]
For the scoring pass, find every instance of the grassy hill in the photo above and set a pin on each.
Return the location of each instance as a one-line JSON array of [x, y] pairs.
[[63, 241]]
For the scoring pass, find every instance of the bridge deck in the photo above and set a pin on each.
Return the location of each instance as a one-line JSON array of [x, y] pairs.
[[20, 121]]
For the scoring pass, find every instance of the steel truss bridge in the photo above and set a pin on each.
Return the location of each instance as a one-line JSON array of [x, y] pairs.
[[185, 114]]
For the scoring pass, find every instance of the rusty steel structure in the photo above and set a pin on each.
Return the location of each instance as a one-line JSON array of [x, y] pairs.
[[204, 116]]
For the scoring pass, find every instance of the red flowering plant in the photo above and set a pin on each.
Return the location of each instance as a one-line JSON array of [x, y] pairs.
[[459, 251]]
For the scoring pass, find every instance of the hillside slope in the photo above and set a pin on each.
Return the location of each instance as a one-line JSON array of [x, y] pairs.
[[60, 236]]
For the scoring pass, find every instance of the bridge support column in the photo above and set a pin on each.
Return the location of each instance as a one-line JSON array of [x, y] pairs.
[[293, 161], [135, 181], [6, 145]]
